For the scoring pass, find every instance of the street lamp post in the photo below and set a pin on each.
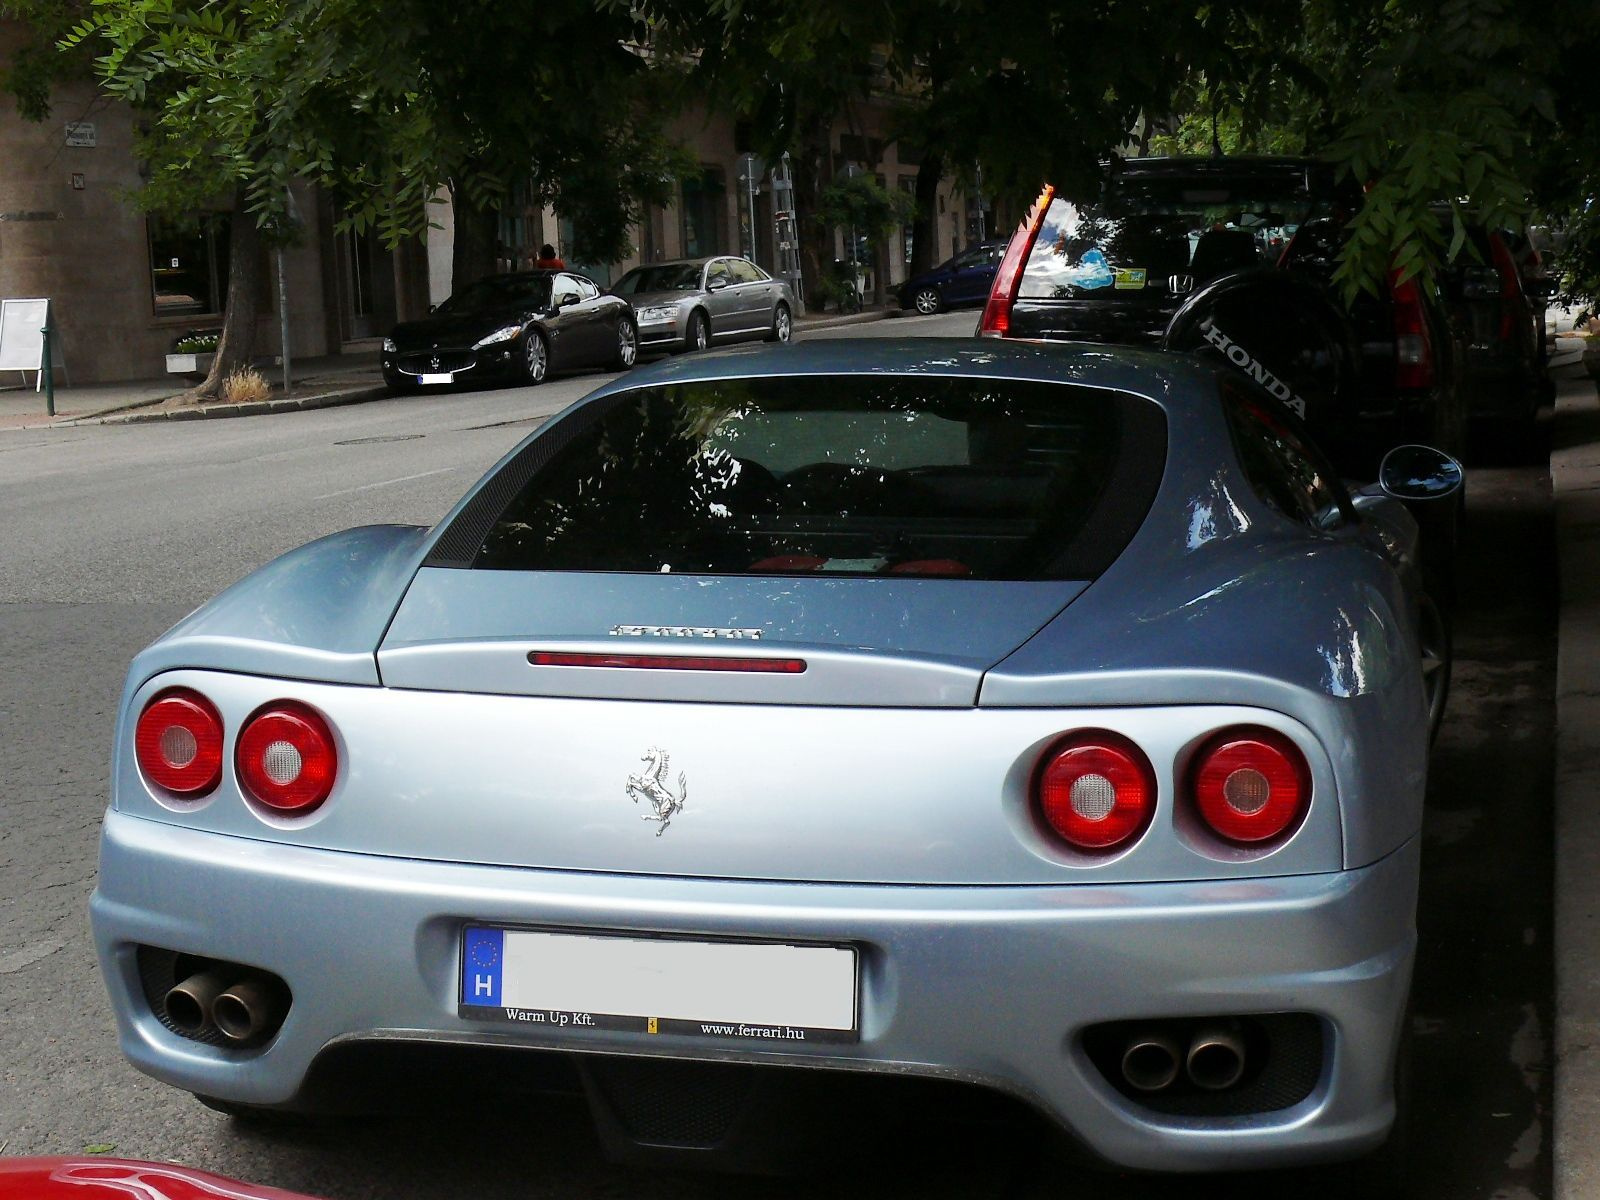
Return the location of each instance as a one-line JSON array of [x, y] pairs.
[[48, 368]]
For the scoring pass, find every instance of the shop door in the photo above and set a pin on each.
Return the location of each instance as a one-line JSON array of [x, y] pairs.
[[366, 286]]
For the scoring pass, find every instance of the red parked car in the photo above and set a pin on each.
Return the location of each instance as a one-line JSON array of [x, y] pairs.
[[121, 1178]]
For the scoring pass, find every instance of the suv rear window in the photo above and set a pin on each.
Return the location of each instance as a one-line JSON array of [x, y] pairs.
[[1160, 236], [843, 475]]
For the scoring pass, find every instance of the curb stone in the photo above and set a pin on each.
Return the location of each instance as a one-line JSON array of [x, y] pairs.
[[200, 412], [1574, 475], [803, 324]]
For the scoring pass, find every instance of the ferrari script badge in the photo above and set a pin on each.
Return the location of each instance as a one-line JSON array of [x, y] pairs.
[[651, 786]]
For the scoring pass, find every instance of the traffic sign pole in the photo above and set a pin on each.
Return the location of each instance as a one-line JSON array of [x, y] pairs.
[[48, 369]]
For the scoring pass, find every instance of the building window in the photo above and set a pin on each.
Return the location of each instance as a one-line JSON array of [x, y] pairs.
[[908, 185], [863, 151], [567, 231], [652, 234], [188, 264], [702, 213], [520, 230]]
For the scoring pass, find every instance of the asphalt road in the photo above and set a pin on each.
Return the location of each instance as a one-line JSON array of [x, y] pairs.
[[111, 534]]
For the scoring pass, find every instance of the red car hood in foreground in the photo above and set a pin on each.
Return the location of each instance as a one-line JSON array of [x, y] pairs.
[[122, 1179]]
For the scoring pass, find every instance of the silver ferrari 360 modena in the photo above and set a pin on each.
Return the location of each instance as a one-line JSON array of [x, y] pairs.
[[1043, 718]]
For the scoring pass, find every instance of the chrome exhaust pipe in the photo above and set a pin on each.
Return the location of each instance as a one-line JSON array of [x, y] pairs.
[[188, 1004], [1215, 1060], [1150, 1062], [250, 1011]]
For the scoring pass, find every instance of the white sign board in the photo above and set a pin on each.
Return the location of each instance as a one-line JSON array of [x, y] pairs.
[[80, 133], [21, 336]]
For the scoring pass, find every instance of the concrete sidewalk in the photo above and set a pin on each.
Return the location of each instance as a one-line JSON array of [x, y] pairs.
[[340, 378], [1575, 482], [318, 383]]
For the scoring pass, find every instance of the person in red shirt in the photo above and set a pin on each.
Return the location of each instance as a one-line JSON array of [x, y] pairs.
[[548, 259]]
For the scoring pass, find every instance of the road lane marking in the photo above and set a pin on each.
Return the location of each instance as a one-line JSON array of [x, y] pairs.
[[367, 487]]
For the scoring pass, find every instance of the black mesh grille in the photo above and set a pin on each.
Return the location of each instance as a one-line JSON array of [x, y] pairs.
[[666, 1102], [438, 360], [1283, 1056]]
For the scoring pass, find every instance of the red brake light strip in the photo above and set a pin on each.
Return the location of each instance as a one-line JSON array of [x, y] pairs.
[[668, 662], [996, 320]]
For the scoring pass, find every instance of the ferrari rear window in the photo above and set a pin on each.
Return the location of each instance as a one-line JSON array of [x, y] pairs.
[[840, 475]]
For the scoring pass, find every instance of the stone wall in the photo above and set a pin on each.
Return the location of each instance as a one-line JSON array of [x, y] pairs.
[[69, 232]]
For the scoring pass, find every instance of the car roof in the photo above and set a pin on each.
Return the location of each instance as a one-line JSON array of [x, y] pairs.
[[1214, 164], [1142, 372], [683, 262], [532, 273], [1311, 174]]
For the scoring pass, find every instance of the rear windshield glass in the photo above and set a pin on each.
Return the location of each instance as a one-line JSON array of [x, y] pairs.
[[668, 277], [846, 475], [500, 291], [1151, 238]]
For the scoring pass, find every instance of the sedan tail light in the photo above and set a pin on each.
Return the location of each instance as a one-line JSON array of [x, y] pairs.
[[1511, 299], [1251, 785], [996, 320], [1096, 791], [178, 743], [287, 759], [1413, 343]]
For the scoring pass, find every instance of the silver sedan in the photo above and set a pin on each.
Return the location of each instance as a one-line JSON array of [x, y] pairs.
[[689, 303]]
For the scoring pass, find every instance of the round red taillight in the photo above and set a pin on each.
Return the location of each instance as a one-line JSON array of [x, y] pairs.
[[1251, 785], [178, 743], [286, 758], [1096, 790]]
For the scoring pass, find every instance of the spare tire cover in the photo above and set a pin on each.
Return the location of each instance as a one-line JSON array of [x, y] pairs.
[[1284, 335]]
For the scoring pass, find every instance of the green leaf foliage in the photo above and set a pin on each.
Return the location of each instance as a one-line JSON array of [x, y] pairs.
[[385, 105], [1446, 112]]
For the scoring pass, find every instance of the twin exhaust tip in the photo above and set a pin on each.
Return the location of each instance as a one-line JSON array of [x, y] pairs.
[[245, 1005], [1213, 1060]]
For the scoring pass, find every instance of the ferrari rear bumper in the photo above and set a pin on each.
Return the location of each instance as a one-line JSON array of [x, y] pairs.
[[991, 985]]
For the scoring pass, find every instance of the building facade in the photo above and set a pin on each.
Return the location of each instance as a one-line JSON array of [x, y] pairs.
[[124, 286]]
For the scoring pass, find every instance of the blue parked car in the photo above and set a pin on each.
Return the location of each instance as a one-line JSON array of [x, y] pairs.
[[963, 279], [1066, 674]]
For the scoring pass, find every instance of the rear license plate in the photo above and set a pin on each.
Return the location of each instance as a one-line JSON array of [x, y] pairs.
[[751, 992], [437, 378]]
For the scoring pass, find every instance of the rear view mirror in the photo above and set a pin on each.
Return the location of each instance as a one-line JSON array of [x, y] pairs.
[[1420, 473]]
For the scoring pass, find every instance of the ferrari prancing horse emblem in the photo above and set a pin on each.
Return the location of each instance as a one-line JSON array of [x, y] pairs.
[[652, 786]]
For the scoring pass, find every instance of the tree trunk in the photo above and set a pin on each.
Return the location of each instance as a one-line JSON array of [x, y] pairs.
[[925, 228], [809, 165], [411, 279], [477, 229], [880, 270], [238, 342]]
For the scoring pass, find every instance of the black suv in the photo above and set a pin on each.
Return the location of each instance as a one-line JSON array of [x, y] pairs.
[[1500, 314], [1189, 254]]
